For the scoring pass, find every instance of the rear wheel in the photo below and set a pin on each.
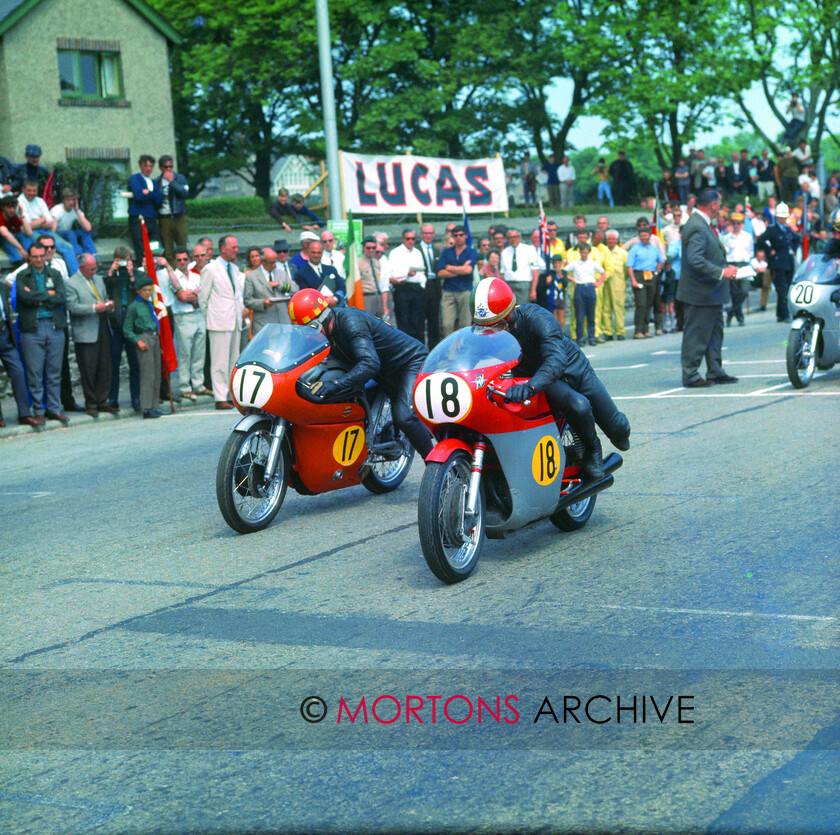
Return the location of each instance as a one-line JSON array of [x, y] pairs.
[[384, 472], [451, 543], [800, 361], [575, 516], [248, 501]]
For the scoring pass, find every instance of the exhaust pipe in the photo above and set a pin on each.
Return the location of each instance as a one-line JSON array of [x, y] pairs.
[[611, 463]]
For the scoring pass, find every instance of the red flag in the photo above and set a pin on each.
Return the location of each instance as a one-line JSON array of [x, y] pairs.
[[654, 226], [167, 346], [48, 190]]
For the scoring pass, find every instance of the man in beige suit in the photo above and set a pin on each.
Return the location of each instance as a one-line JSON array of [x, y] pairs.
[[89, 306], [263, 286], [220, 299]]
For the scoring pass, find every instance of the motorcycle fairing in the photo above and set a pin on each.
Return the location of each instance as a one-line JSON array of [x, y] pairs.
[[314, 447], [530, 499]]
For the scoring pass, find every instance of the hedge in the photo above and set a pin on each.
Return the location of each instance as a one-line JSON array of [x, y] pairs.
[[225, 207]]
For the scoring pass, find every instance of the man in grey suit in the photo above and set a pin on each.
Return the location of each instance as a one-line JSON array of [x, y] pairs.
[[262, 286], [88, 305], [703, 289]]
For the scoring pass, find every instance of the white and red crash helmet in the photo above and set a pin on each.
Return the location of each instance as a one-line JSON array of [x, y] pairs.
[[491, 301]]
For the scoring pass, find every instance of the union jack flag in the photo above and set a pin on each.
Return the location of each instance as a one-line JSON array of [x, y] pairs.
[[545, 245]]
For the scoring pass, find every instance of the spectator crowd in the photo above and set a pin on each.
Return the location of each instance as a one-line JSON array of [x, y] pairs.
[[58, 292]]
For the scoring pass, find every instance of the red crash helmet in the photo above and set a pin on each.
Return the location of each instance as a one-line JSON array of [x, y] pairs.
[[491, 301], [307, 307]]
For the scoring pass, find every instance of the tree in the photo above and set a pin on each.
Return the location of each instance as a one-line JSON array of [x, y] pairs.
[[673, 78], [550, 40], [792, 48], [236, 84]]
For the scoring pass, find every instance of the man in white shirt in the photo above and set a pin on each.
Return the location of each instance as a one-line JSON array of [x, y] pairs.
[[518, 271], [168, 283], [36, 211], [67, 214], [408, 282], [431, 303], [331, 256], [190, 330], [566, 175], [740, 250]]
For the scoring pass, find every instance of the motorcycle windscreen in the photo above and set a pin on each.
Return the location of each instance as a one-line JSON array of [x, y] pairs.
[[472, 348], [816, 269], [279, 348]]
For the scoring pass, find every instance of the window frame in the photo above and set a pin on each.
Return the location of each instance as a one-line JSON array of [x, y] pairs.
[[99, 57]]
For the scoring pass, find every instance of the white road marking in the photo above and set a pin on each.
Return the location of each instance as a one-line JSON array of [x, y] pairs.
[[786, 384], [620, 367], [667, 391], [665, 395], [756, 362], [721, 613]]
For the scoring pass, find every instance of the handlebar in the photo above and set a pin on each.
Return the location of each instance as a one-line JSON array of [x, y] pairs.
[[490, 390]]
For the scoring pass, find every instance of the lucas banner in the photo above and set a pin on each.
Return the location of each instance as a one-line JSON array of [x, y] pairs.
[[387, 185]]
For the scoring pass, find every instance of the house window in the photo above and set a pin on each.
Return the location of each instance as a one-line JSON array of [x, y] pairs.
[[89, 75]]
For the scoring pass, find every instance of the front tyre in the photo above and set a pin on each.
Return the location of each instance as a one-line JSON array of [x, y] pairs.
[[451, 544], [249, 501], [385, 471], [800, 361]]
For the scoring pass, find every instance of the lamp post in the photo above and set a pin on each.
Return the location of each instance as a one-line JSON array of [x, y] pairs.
[[322, 19]]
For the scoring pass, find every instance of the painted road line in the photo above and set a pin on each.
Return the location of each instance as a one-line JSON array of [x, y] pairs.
[[620, 367], [689, 393], [720, 613], [667, 391], [756, 362]]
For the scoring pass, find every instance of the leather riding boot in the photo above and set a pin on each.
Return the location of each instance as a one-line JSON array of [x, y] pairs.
[[592, 464], [620, 434]]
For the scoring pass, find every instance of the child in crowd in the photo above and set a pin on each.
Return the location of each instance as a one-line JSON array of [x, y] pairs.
[[583, 273], [141, 329]]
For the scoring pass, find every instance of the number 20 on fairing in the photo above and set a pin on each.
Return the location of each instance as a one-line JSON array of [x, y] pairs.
[[443, 398], [252, 386]]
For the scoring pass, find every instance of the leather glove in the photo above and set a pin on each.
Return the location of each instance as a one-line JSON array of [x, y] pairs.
[[520, 393], [325, 390]]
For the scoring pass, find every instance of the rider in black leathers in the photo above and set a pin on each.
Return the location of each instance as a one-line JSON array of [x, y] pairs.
[[379, 351], [559, 368]]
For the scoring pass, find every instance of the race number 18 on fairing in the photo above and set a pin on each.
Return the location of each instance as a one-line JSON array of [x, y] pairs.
[[443, 398]]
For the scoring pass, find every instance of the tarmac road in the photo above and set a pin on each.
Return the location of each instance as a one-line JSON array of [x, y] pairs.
[[154, 662]]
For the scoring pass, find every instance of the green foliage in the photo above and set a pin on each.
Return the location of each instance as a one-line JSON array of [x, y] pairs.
[[452, 78], [791, 48], [226, 207], [96, 184], [673, 83]]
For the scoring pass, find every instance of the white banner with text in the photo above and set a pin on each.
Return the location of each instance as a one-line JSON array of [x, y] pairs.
[[396, 184]]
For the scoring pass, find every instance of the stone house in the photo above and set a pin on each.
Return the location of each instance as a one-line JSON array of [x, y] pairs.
[[85, 79]]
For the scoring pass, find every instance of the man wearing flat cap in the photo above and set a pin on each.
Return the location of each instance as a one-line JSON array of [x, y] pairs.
[[29, 170]]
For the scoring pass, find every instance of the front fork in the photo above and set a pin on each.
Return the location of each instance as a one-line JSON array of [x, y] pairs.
[[470, 508], [812, 349], [277, 433]]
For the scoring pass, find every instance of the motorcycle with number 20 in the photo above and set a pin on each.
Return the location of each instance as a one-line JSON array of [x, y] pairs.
[[814, 299], [497, 466], [287, 435]]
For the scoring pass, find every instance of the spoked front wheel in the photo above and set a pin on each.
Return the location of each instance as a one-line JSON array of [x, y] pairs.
[[248, 500], [451, 541], [387, 467], [801, 362]]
